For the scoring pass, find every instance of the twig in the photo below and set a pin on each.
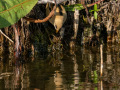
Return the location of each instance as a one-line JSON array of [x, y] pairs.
[[89, 5], [6, 36], [103, 7], [45, 19]]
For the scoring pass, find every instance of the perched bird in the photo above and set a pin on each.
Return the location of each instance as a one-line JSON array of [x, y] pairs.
[[58, 18]]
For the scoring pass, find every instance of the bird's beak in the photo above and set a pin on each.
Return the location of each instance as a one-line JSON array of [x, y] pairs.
[[57, 31]]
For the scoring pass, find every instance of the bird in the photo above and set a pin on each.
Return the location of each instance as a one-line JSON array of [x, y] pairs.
[[59, 18]]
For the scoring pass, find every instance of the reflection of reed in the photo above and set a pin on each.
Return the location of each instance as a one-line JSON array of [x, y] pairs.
[[58, 80], [1, 64], [25, 83], [14, 77], [55, 58], [111, 78], [76, 72]]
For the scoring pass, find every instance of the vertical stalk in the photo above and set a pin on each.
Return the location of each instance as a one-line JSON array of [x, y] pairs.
[[101, 63], [76, 22], [6, 36], [22, 39], [101, 85], [101, 66], [1, 44], [16, 40]]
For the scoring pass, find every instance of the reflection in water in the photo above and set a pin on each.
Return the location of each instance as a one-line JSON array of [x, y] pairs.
[[13, 77], [75, 85], [58, 80], [77, 69]]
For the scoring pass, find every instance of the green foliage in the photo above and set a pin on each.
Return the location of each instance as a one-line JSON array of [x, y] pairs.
[[95, 77], [73, 7], [95, 15], [12, 10], [80, 7], [95, 7], [95, 11]]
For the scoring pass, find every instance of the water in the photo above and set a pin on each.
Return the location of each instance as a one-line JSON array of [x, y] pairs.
[[68, 70]]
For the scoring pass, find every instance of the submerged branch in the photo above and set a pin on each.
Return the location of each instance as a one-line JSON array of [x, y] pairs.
[[6, 36]]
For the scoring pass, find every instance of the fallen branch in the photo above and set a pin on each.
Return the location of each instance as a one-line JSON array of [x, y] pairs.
[[6, 36]]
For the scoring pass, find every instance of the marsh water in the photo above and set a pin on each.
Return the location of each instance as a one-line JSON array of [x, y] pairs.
[[77, 69]]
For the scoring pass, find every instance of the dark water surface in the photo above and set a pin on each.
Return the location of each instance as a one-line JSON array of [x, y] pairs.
[[68, 70]]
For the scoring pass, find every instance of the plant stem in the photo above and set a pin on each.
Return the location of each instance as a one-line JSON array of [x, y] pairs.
[[6, 36]]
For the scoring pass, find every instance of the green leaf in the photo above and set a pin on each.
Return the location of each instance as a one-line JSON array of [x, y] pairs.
[[12, 10], [95, 7], [95, 15], [73, 7], [91, 10], [95, 77]]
